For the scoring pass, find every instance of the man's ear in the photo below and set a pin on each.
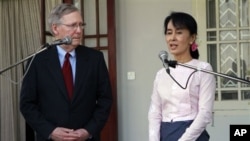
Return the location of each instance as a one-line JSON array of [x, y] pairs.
[[55, 29]]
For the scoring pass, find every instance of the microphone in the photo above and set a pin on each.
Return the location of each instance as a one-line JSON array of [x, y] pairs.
[[163, 55], [67, 40]]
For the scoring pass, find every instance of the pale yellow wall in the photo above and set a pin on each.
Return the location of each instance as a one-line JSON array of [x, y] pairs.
[[139, 40]]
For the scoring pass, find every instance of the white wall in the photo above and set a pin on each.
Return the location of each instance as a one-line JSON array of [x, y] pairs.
[[219, 129], [139, 40]]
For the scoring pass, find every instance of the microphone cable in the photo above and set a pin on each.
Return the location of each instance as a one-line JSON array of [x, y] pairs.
[[178, 82]]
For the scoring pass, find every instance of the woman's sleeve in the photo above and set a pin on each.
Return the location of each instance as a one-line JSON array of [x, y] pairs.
[[206, 101], [154, 115]]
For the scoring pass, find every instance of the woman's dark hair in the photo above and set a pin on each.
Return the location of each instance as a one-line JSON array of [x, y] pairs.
[[184, 21]]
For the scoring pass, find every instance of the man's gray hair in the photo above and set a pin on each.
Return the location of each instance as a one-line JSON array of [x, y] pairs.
[[58, 12]]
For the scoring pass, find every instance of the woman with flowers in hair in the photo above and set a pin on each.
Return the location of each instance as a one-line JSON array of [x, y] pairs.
[[182, 100]]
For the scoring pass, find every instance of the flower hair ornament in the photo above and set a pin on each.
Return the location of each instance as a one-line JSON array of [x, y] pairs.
[[194, 46]]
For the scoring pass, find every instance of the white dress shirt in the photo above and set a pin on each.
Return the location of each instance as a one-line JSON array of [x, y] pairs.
[[169, 102]]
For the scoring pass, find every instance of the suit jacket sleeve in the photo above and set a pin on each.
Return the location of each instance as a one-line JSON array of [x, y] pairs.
[[29, 105], [104, 99]]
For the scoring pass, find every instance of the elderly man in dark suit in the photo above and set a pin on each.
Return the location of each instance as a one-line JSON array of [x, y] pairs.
[[73, 106]]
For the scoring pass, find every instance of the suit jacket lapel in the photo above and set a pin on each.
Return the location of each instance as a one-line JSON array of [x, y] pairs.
[[54, 68], [82, 65]]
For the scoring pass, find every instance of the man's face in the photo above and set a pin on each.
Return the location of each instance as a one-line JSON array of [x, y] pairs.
[[71, 25]]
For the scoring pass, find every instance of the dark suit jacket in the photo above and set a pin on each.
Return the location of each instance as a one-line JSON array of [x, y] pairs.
[[44, 102]]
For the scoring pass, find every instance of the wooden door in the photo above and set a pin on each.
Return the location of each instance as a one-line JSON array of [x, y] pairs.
[[100, 16]]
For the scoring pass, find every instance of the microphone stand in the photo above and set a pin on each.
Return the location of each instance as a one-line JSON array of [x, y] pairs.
[[174, 63], [44, 47]]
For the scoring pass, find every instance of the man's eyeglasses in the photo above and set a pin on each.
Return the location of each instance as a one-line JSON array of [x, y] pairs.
[[75, 26]]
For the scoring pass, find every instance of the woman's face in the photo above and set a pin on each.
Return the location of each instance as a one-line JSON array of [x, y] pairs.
[[178, 40]]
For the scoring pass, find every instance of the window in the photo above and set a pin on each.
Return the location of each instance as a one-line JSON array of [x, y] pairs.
[[225, 42]]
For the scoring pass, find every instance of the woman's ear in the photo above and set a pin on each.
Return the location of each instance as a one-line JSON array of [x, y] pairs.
[[193, 38]]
